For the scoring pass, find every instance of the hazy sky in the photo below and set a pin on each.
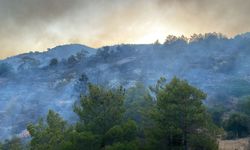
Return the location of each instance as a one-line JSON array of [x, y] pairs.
[[32, 25]]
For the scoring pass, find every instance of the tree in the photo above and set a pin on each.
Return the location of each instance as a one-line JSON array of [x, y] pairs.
[[217, 114], [101, 116], [123, 135], [160, 85], [157, 42], [12, 144], [179, 116], [81, 84], [137, 101], [101, 109], [48, 136], [53, 62], [72, 60], [237, 125], [82, 141], [80, 55], [244, 105], [173, 39]]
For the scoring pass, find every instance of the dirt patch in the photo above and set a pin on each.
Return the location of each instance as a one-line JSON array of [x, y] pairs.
[[239, 144]]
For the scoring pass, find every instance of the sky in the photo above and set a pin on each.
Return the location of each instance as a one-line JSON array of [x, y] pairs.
[[35, 25]]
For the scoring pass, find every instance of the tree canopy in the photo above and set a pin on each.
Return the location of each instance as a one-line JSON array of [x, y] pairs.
[[168, 116]]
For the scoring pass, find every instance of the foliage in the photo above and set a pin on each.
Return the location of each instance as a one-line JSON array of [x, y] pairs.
[[114, 119], [137, 102], [49, 135], [122, 146], [101, 109], [53, 62], [12, 144], [178, 116], [237, 125], [101, 115], [72, 60], [120, 133], [82, 140], [244, 105], [217, 114], [81, 84]]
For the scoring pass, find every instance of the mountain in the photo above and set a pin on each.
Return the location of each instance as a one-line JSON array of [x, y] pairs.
[[32, 83], [41, 59], [244, 35]]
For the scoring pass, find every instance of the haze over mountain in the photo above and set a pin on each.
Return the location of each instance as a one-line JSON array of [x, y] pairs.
[[39, 24], [34, 82]]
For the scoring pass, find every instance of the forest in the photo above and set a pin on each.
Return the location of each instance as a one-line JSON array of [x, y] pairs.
[[169, 115]]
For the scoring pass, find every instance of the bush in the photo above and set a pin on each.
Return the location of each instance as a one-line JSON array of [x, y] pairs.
[[72, 60], [237, 125], [5, 69], [53, 62]]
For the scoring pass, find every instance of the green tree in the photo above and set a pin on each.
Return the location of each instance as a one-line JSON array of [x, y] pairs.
[[237, 125], [49, 135], [179, 117], [101, 114], [101, 109], [125, 132], [244, 105], [137, 101], [217, 114], [122, 146], [12, 144], [82, 141]]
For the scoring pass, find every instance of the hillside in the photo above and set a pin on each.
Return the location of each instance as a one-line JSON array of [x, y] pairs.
[[32, 83]]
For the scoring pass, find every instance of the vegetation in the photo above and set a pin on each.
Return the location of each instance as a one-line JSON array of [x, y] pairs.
[[72, 60], [13, 144], [53, 62], [180, 119], [5, 69], [49, 135], [168, 116], [234, 118], [237, 124]]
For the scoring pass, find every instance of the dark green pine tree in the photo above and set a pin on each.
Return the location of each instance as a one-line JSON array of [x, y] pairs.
[[49, 135], [180, 119], [101, 115]]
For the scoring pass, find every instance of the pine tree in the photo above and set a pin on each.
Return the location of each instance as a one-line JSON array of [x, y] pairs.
[[101, 116], [180, 117], [49, 135]]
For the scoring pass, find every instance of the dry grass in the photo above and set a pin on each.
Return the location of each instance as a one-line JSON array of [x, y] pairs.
[[239, 144]]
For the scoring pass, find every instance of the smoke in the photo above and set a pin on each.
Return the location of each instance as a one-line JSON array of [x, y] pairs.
[[38, 24]]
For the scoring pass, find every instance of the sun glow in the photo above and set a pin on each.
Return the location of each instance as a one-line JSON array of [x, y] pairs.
[[158, 32]]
